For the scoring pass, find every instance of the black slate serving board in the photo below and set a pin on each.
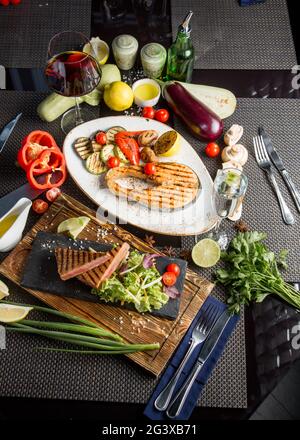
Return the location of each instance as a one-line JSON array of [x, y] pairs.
[[41, 273]]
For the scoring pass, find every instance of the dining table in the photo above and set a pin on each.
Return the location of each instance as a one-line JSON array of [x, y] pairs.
[[251, 51]]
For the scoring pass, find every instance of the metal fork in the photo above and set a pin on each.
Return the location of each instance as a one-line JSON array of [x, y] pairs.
[[264, 163], [199, 334]]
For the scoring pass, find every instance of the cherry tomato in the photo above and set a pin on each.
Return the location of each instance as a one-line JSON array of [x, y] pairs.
[[212, 149], [4, 2], [162, 115], [52, 194], [148, 112], [40, 206], [150, 169], [101, 138], [169, 279], [113, 162], [173, 267]]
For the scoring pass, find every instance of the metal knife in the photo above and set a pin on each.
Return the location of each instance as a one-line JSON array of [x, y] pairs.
[[7, 130], [274, 156], [177, 403], [8, 201]]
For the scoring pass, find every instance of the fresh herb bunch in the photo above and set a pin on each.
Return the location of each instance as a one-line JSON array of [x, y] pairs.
[[252, 272]]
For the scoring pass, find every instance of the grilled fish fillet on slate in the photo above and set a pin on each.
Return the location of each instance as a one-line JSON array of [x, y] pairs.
[[71, 262], [95, 277], [173, 185]]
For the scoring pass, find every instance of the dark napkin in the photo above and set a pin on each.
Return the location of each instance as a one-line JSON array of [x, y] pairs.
[[150, 411]]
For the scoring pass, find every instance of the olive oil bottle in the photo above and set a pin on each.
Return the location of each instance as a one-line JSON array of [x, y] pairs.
[[181, 55]]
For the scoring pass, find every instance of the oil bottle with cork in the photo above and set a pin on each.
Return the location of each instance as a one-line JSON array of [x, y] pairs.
[[181, 55]]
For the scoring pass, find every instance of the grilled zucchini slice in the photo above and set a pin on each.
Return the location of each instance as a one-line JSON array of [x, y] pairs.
[[106, 152], [110, 134], [118, 153], [83, 147], [94, 164]]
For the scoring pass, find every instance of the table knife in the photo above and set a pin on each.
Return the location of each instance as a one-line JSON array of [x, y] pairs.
[[274, 156], [7, 130], [177, 403], [8, 201]]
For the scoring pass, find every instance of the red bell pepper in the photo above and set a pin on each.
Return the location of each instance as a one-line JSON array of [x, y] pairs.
[[128, 145], [32, 146], [53, 177]]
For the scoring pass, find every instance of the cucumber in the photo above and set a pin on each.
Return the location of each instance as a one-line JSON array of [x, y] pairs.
[[118, 153], [94, 164], [107, 152], [110, 134]]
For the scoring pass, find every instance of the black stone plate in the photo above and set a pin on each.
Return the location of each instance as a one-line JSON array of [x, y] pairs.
[[41, 273]]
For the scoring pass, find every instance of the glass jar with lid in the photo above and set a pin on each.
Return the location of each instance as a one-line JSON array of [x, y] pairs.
[[125, 49], [153, 58]]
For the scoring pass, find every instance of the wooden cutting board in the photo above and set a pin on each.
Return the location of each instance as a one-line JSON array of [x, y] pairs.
[[132, 326]]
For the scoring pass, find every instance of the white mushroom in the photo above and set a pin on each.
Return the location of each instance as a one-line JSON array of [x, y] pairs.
[[235, 153], [233, 135], [232, 164]]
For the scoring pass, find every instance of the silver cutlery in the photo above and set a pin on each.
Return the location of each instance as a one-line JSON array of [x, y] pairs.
[[7, 130], [277, 161], [199, 334], [206, 350], [264, 163]]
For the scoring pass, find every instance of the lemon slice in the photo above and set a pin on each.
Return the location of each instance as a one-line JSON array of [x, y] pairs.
[[3, 290], [100, 48], [10, 313], [73, 226], [206, 253], [168, 144]]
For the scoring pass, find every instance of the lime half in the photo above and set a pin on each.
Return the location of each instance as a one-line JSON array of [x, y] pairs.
[[3, 290], [73, 226], [10, 313], [206, 253]]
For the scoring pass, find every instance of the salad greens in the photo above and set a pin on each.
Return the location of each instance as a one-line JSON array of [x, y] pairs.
[[252, 272], [135, 284]]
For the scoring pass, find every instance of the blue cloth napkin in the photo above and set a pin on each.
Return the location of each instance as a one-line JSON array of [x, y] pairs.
[[150, 410]]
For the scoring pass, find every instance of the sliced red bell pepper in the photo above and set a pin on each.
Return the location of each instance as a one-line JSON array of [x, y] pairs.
[[53, 177], [32, 146], [128, 145]]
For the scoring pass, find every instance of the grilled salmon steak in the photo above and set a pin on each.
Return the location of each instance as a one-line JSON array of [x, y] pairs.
[[97, 275], [71, 262], [172, 186]]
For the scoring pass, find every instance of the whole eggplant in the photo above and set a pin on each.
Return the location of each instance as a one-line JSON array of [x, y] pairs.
[[201, 121]]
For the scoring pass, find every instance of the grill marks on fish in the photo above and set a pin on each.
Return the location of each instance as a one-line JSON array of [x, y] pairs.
[[175, 185]]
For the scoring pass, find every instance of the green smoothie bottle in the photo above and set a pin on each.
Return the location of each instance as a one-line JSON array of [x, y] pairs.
[[181, 54]]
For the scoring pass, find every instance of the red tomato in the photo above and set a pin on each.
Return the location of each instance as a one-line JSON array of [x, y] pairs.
[[15, 2], [113, 162], [169, 279], [150, 169], [101, 138], [212, 149], [148, 112], [173, 267], [4, 2], [162, 115], [39, 206], [52, 194]]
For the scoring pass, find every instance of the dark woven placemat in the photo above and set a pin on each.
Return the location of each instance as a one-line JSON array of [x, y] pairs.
[[25, 30], [227, 36], [27, 373]]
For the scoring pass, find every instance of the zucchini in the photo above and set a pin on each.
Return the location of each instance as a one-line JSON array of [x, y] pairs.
[[118, 153], [96, 147], [106, 152], [110, 134], [83, 147], [94, 164]]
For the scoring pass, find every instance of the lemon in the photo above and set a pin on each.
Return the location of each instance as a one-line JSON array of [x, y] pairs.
[[168, 144], [118, 96], [206, 253], [10, 313], [3, 290], [73, 226], [100, 48]]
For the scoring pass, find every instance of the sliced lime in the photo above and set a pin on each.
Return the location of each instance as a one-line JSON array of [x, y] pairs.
[[206, 253], [3, 290], [10, 313], [73, 226]]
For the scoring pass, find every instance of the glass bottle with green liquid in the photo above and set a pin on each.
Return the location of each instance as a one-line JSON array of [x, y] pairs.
[[181, 53]]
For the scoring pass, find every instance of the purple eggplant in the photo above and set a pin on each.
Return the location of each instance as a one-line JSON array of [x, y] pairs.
[[201, 121]]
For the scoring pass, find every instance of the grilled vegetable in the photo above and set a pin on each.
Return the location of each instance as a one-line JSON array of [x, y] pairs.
[[147, 138], [110, 134], [167, 144], [96, 147], [106, 152], [95, 165], [83, 147], [148, 155], [118, 153], [201, 121]]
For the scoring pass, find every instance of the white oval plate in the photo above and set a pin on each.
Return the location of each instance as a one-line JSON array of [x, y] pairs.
[[196, 218]]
